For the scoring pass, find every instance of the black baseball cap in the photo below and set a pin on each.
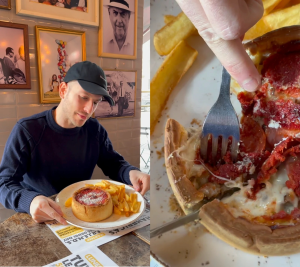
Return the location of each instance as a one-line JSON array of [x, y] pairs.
[[91, 78]]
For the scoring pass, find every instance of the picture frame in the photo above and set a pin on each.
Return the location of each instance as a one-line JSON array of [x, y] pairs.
[[57, 50], [5, 4], [118, 29], [14, 56], [121, 85], [35, 9]]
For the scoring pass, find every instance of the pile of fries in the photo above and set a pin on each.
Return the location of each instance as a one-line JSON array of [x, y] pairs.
[[170, 41], [277, 14], [124, 204]]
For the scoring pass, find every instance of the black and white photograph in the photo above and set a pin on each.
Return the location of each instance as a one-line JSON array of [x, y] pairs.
[[79, 5], [5, 4], [117, 31], [58, 50], [121, 86], [14, 57]]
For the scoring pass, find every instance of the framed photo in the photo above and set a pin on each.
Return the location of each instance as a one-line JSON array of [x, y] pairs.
[[121, 85], [118, 29], [5, 4], [14, 56], [57, 50], [75, 11]]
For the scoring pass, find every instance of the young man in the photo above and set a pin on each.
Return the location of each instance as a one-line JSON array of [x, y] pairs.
[[53, 149]]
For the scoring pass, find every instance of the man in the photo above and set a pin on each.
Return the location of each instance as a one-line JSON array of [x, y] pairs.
[[53, 149], [8, 64], [119, 13]]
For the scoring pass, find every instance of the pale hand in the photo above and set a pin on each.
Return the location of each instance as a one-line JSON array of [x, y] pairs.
[[44, 209], [140, 181], [222, 25]]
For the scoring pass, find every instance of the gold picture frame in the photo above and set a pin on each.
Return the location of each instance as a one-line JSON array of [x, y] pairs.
[[8, 6], [36, 9], [14, 56], [55, 56], [121, 85], [125, 47]]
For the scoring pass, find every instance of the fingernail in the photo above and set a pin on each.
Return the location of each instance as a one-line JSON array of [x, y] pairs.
[[250, 84]]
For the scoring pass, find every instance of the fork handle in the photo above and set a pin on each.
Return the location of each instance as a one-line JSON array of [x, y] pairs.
[[225, 85]]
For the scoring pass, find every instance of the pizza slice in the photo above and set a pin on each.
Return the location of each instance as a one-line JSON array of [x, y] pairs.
[[262, 216]]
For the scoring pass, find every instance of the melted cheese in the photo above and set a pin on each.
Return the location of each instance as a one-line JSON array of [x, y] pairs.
[[269, 200]]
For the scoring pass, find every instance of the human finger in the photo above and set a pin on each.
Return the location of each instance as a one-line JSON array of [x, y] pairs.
[[231, 53], [232, 18], [52, 213]]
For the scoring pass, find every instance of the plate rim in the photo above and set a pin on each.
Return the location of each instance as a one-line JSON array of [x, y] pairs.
[[143, 205]]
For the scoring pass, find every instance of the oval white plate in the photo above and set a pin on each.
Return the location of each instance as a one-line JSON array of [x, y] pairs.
[[191, 99], [113, 222]]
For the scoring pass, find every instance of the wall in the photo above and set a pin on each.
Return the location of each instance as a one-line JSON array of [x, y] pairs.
[[16, 104]]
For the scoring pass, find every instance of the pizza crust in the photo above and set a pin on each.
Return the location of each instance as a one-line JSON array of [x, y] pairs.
[[250, 237], [186, 194], [91, 213]]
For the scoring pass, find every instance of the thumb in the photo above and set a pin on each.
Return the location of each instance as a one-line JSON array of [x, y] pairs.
[[56, 207], [136, 185]]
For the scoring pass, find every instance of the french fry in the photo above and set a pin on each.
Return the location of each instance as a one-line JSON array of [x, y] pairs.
[[171, 34], [115, 200], [285, 17], [133, 198], [282, 4], [257, 30], [111, 190], [117, 211], [68, 202], [127, 213], [126, 206], [102, 184], [166, 78], [269, 5], [121, 193], [121, 206], [127, 198], [136, 207], [168, 18]]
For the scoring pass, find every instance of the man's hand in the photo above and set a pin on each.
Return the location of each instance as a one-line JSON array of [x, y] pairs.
[[222, 24], [140, 181], [45, 209]]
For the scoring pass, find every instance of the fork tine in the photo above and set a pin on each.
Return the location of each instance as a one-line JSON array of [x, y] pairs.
[[214, 146], [203, 148], [234, 149], [224, 146]]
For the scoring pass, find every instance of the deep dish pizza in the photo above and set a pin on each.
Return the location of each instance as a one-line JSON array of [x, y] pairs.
[[254, 202], [92, 204]]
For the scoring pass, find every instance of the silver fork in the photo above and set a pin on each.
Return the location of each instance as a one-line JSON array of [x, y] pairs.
[[222, 121]]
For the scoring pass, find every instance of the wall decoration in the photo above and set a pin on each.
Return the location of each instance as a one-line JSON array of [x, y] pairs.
[[121, 86], [57, 50], [5, 4], [75, 11], [118, 28], [14, 56]]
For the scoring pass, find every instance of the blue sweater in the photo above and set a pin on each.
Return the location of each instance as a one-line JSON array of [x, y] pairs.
[[42, 158]]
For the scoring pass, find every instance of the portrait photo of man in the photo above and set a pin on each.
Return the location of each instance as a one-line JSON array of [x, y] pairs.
[[118, 33]]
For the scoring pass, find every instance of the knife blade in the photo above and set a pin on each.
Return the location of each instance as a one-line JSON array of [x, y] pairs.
[[187, 218], [174, 224]]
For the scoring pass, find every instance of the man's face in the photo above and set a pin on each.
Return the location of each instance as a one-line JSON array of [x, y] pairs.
[[78, 105], [119, 19], [11, 53]]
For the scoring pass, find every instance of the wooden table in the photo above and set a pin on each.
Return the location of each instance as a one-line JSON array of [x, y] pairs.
[[26, 243]]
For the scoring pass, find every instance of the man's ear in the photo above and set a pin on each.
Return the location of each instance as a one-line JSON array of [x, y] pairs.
[[63, 89]]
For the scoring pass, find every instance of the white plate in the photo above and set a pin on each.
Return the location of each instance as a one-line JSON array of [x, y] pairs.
[[113, 222], [191, 99]]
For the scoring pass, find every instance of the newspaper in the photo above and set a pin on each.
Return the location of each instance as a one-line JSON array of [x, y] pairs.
[[89, 257], [76, 239]]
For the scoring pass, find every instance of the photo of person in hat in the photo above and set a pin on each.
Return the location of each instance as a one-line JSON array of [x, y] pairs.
[[49, 151], [119, 38]]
